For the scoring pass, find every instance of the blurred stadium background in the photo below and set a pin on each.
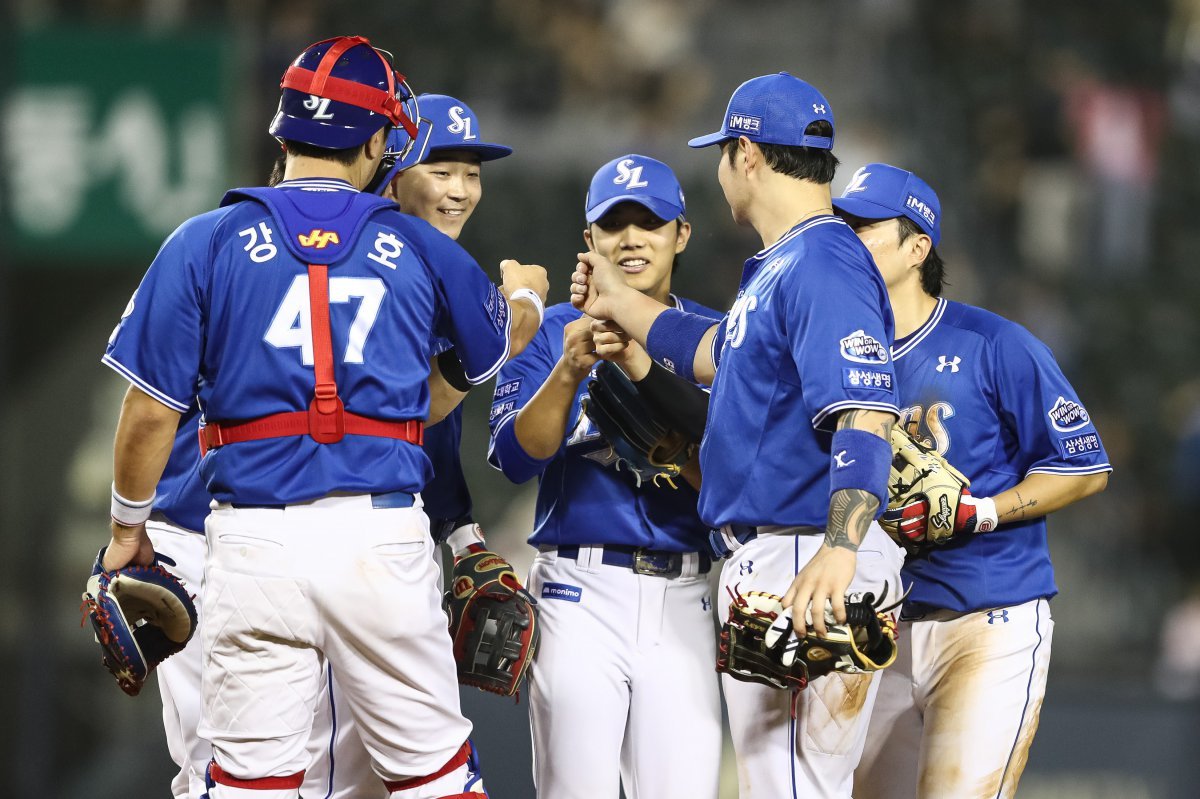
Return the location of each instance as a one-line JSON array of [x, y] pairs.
[[1063, 139]]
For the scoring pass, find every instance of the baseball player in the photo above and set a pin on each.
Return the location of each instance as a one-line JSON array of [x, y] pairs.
[[622, 690], [439, 180], [299, 319], [795, 458], [956, 714]]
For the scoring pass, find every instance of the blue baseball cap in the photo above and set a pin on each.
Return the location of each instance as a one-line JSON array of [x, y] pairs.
[[638, 179], [445, 123], [773, 109], [880, 191]]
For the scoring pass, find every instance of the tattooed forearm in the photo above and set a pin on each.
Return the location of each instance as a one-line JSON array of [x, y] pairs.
[[877, 422], [850, 513], [1021, 509]]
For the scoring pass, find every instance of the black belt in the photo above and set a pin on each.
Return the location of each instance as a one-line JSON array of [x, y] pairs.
[[641, 561], [390, 499]]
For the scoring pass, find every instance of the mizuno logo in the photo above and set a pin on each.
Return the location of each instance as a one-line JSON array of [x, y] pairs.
[[319, 239]]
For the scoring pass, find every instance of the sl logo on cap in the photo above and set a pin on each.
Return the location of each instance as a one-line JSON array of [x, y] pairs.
[[628, 173]]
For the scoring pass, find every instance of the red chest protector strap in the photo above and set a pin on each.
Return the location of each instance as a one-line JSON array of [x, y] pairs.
[[326, 419]]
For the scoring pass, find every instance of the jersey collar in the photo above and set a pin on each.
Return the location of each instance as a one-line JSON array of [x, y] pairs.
[[808, 224], [907, 344], [316, 184]]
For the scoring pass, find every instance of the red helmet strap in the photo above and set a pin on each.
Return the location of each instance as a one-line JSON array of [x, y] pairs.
[[322, 84]]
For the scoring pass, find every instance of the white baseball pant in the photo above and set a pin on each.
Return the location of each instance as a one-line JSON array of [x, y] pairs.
[[333, 580], [812, 753], [957, 711], [623, 688], [179, 675]]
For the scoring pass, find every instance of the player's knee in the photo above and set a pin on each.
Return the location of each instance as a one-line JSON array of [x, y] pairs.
[[459, 778], [222, 785]]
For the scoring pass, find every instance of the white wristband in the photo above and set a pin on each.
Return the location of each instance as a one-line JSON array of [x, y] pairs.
[[531, 295], [464, 537], [130, 512], [985, 514]]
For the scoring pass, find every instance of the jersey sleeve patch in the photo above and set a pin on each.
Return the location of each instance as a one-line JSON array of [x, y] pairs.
[[506, 389], [1068, 416], [867, 378], [861, 347], [501, 408], [496, 307], [1083, 444]]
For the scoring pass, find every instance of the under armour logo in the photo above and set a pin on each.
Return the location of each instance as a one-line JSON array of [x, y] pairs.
[[706, 604], [943, 363], [746, 567], [1002, 615], [819, 109], [837, 460]]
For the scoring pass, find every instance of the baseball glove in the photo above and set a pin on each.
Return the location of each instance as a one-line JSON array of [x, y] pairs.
[[641, 440], [928, 499], [758, 643], [493, 623], [141, 616]]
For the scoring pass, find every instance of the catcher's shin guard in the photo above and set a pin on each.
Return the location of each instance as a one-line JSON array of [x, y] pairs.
[[458, 779]]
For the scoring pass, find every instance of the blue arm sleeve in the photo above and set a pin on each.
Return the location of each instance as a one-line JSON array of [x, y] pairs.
[[518, 381], [1054, 430]]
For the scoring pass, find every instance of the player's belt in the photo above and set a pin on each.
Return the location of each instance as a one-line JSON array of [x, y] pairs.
[[642, 561], [326, 420], [382, 501]]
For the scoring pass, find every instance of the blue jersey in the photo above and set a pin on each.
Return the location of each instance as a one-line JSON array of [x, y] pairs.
[[180, 495], [222, 317], [807, 338], [447, 498], [989, 396], [582, 498]]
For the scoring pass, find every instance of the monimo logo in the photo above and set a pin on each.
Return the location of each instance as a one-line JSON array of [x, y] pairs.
[[745, 124], [568, 593]]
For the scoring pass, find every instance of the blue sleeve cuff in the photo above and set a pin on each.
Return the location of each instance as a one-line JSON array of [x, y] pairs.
[[862, 461], [674, 338], [506, 453]]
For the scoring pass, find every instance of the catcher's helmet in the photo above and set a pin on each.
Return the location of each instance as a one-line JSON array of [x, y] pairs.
[[338, 92]]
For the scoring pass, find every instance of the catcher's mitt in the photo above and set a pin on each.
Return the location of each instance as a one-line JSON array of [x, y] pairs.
[[641, 441], [927, 497], [141, 616], [493, 623], [758, 643]]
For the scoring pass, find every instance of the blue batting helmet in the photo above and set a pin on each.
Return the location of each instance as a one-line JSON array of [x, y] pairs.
[[338, 92]]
